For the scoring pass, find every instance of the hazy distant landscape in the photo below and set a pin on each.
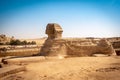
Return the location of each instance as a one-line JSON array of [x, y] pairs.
[[59, 39]]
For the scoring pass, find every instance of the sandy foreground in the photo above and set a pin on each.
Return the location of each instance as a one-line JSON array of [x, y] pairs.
[[77, 68]]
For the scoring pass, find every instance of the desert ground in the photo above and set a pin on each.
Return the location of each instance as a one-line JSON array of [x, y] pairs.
[[75, 68]]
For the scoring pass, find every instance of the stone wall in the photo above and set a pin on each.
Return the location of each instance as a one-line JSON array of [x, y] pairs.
[[20, 52], [115, 41]]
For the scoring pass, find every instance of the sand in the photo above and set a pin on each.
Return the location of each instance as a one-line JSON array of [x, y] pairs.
[[77, 68]]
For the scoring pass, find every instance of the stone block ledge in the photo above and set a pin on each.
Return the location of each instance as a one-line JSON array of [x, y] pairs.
[[5, 71], [23, 60]]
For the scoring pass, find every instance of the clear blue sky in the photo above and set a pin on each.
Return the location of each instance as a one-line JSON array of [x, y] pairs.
[[78, 18]]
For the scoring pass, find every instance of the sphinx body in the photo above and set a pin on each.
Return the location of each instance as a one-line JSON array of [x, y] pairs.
[[55, 45]]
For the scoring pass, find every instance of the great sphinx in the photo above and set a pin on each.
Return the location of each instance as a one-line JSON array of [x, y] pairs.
[[55, 45]]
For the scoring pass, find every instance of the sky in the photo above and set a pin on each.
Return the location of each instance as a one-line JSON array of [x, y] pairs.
[[27, 19]]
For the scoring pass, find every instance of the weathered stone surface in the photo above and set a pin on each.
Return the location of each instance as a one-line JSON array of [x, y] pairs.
[[55, 46], [115, 41], [11, 70], [22, 60], [54, 31]]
